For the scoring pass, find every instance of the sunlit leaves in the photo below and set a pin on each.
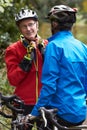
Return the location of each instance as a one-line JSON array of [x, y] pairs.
[[3, 4], [1, 9], [84, 3]]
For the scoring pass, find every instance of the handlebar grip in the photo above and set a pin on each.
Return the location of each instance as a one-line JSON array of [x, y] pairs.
[[48, 111], [7, 98], [9, 101], [13, 108]]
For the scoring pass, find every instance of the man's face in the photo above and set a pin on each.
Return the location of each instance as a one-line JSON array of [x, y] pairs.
[[29, 28]]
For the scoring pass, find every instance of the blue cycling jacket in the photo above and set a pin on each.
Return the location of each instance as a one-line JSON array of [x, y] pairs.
[[64, 77]]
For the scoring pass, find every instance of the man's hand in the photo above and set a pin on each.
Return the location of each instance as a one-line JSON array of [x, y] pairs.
[[29, 117], [26, 64]]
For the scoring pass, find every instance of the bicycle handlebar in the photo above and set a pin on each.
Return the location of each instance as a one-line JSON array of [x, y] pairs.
[[9, 102], [50, 113], [45, 113]]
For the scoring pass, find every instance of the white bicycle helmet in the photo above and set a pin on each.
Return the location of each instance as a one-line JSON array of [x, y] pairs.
[[61, 8], [24, 14]]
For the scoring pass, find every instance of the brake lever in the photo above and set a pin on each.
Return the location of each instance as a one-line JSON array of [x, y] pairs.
[[44, 117]]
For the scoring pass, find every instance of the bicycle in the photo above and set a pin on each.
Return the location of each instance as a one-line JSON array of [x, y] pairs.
[[18, 124], [15, 104], [50, 114], [11, 102]]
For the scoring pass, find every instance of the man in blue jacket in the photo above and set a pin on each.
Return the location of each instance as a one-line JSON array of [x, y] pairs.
[[64, 70]]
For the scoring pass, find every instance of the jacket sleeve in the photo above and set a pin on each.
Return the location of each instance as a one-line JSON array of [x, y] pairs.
[[14, 73]]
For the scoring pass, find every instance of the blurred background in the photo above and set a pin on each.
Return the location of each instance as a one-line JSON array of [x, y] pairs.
[[9, 32]]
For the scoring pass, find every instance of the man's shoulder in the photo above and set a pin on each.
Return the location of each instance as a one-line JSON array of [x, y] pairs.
[[14, 45]]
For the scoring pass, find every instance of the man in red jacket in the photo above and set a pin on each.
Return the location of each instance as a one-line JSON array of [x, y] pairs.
[[24, 59]]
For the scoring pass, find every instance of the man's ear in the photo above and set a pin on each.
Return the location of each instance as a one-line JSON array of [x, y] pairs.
[[37, 24], [54, 24]]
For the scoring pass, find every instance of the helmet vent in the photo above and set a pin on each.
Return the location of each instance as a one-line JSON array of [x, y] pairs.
[[26, 13]]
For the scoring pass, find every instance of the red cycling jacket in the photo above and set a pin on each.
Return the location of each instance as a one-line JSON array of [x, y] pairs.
[[27, 84]]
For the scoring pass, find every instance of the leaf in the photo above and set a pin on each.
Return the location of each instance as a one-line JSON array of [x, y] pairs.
[[1, 9]]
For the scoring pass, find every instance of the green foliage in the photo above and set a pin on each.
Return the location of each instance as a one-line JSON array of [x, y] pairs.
[[80, 32], [8, 8], [5, 87], [4, 123], [9, 32]]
